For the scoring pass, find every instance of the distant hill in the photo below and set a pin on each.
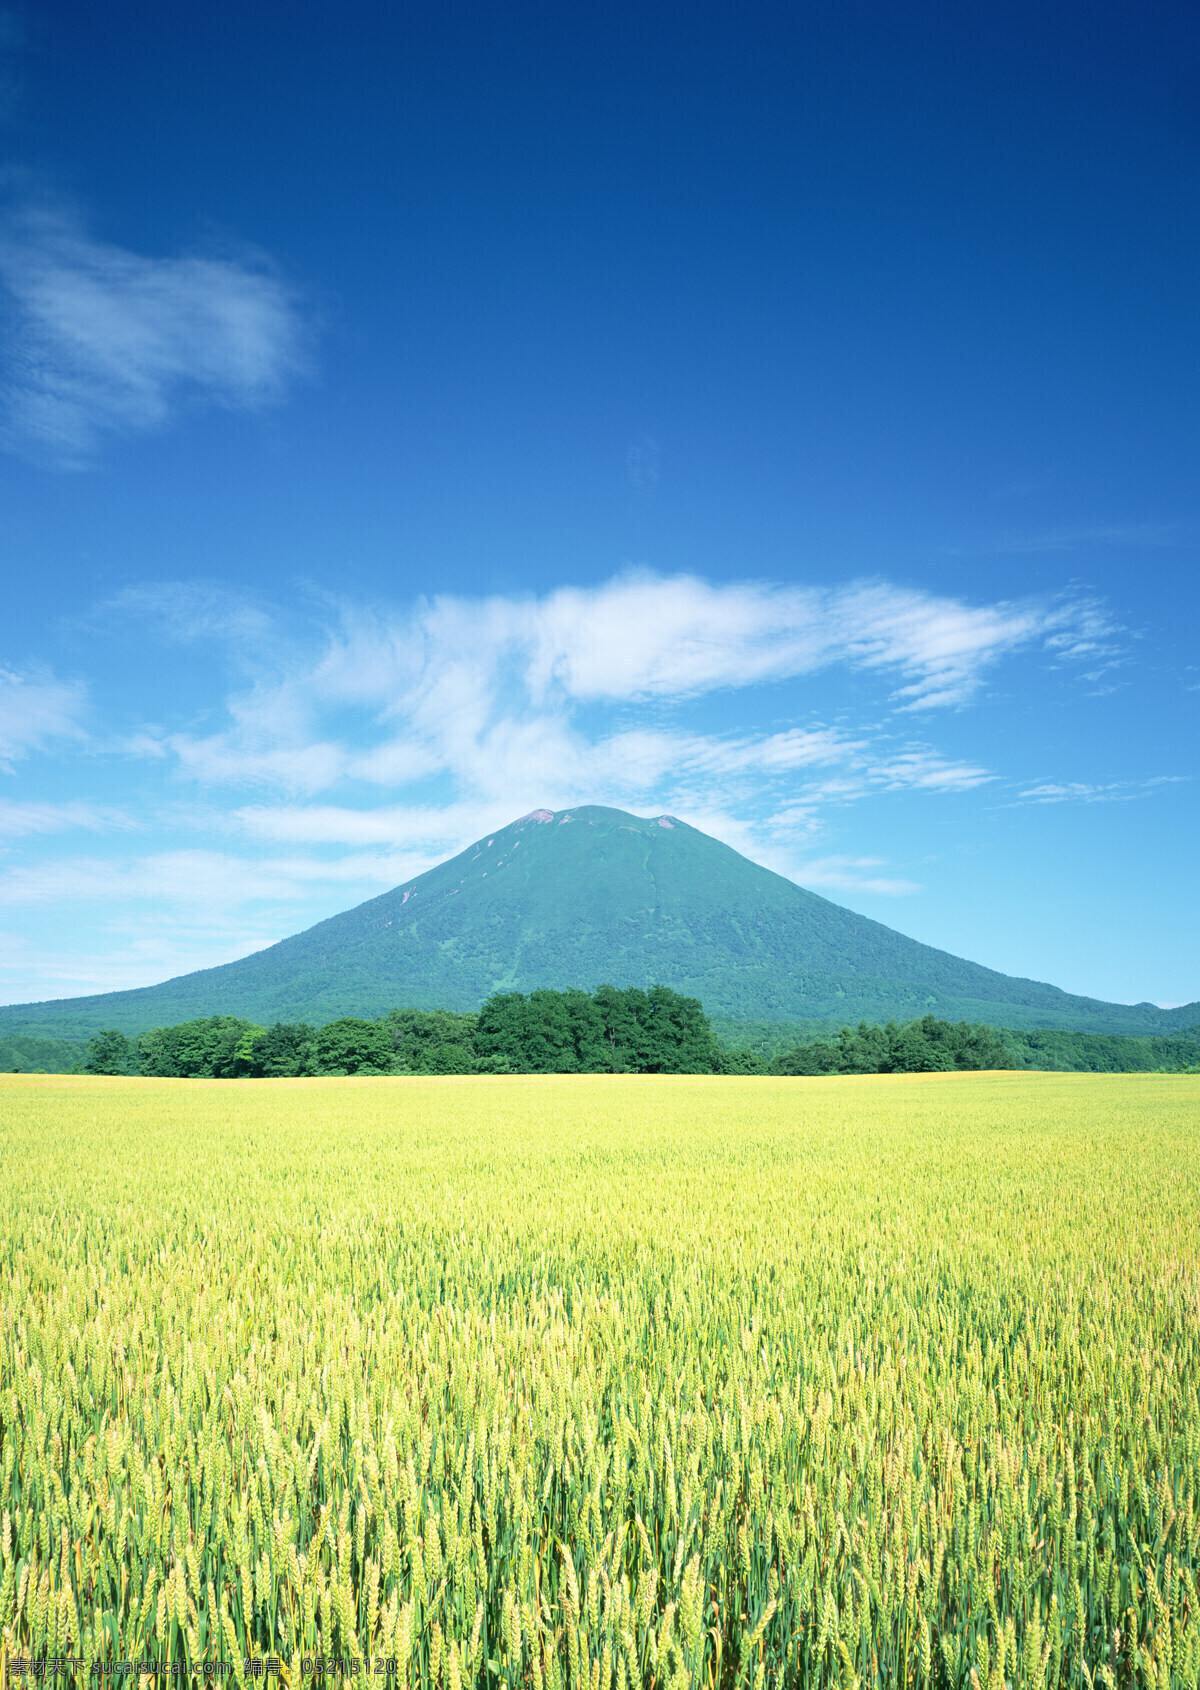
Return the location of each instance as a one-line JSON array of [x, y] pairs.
[[592, 895]]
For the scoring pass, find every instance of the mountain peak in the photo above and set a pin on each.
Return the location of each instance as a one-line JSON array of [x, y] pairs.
[[588, 895]]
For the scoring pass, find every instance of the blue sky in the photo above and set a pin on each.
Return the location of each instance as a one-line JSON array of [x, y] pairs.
[[784, 416]]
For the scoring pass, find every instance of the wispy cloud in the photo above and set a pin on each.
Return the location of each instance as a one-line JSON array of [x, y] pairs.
[[141, 950], [1104, 792], [21, 817], [852, 874], [100, 341], [197, 879], [191, 611], [647, 637], [924, 770], [467, 712], [365, 744], [35, 710], [165, 913], [1088, 635], [493, 693], [412, 828]]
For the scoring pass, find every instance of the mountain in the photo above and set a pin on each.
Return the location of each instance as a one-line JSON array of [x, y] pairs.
[[588, 895]]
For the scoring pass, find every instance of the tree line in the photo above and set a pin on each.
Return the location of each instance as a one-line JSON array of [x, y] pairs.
[[608, 1031], [1056, 1051], [545, 1032], [924, 1046]]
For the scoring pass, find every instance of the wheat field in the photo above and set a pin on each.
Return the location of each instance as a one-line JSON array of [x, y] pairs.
[[603, 1381]]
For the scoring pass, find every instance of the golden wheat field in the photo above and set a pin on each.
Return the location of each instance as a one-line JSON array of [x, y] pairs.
[[603, 1381]]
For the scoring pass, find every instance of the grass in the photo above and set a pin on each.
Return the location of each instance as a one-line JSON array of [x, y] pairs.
[[606, 1380]]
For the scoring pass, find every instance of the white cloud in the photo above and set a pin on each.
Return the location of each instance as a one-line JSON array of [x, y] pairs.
[[35, 710], [238, 758], [1087, 792], [19, 817], [198, 878], [469, 712], [852, 874], [417, 828], [916, 769], [493, 693], [140, 952], [643, 637], [1055, 792], [794, 748], [189, 611], [101, 340], [461, 714], [926, 771]]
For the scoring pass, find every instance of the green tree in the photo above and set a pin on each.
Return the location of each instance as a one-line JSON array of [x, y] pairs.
[[738, 1062], [352, 1046], [655, 1032], [912, 1051], [283, 1051], [426, 1040], [448, 1058], [538, 1034], [968, 1045], [923, 1046], [109, 1052], [676, 1036], [863, 1049], [498, 1035], [618, 1029], [816, 1057], [606, 1031], [205, 1049]]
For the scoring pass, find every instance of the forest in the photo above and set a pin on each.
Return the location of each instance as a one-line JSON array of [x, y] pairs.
[[608, 1031]]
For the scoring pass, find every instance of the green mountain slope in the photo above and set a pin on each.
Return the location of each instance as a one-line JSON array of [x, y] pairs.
[[591, 895]]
